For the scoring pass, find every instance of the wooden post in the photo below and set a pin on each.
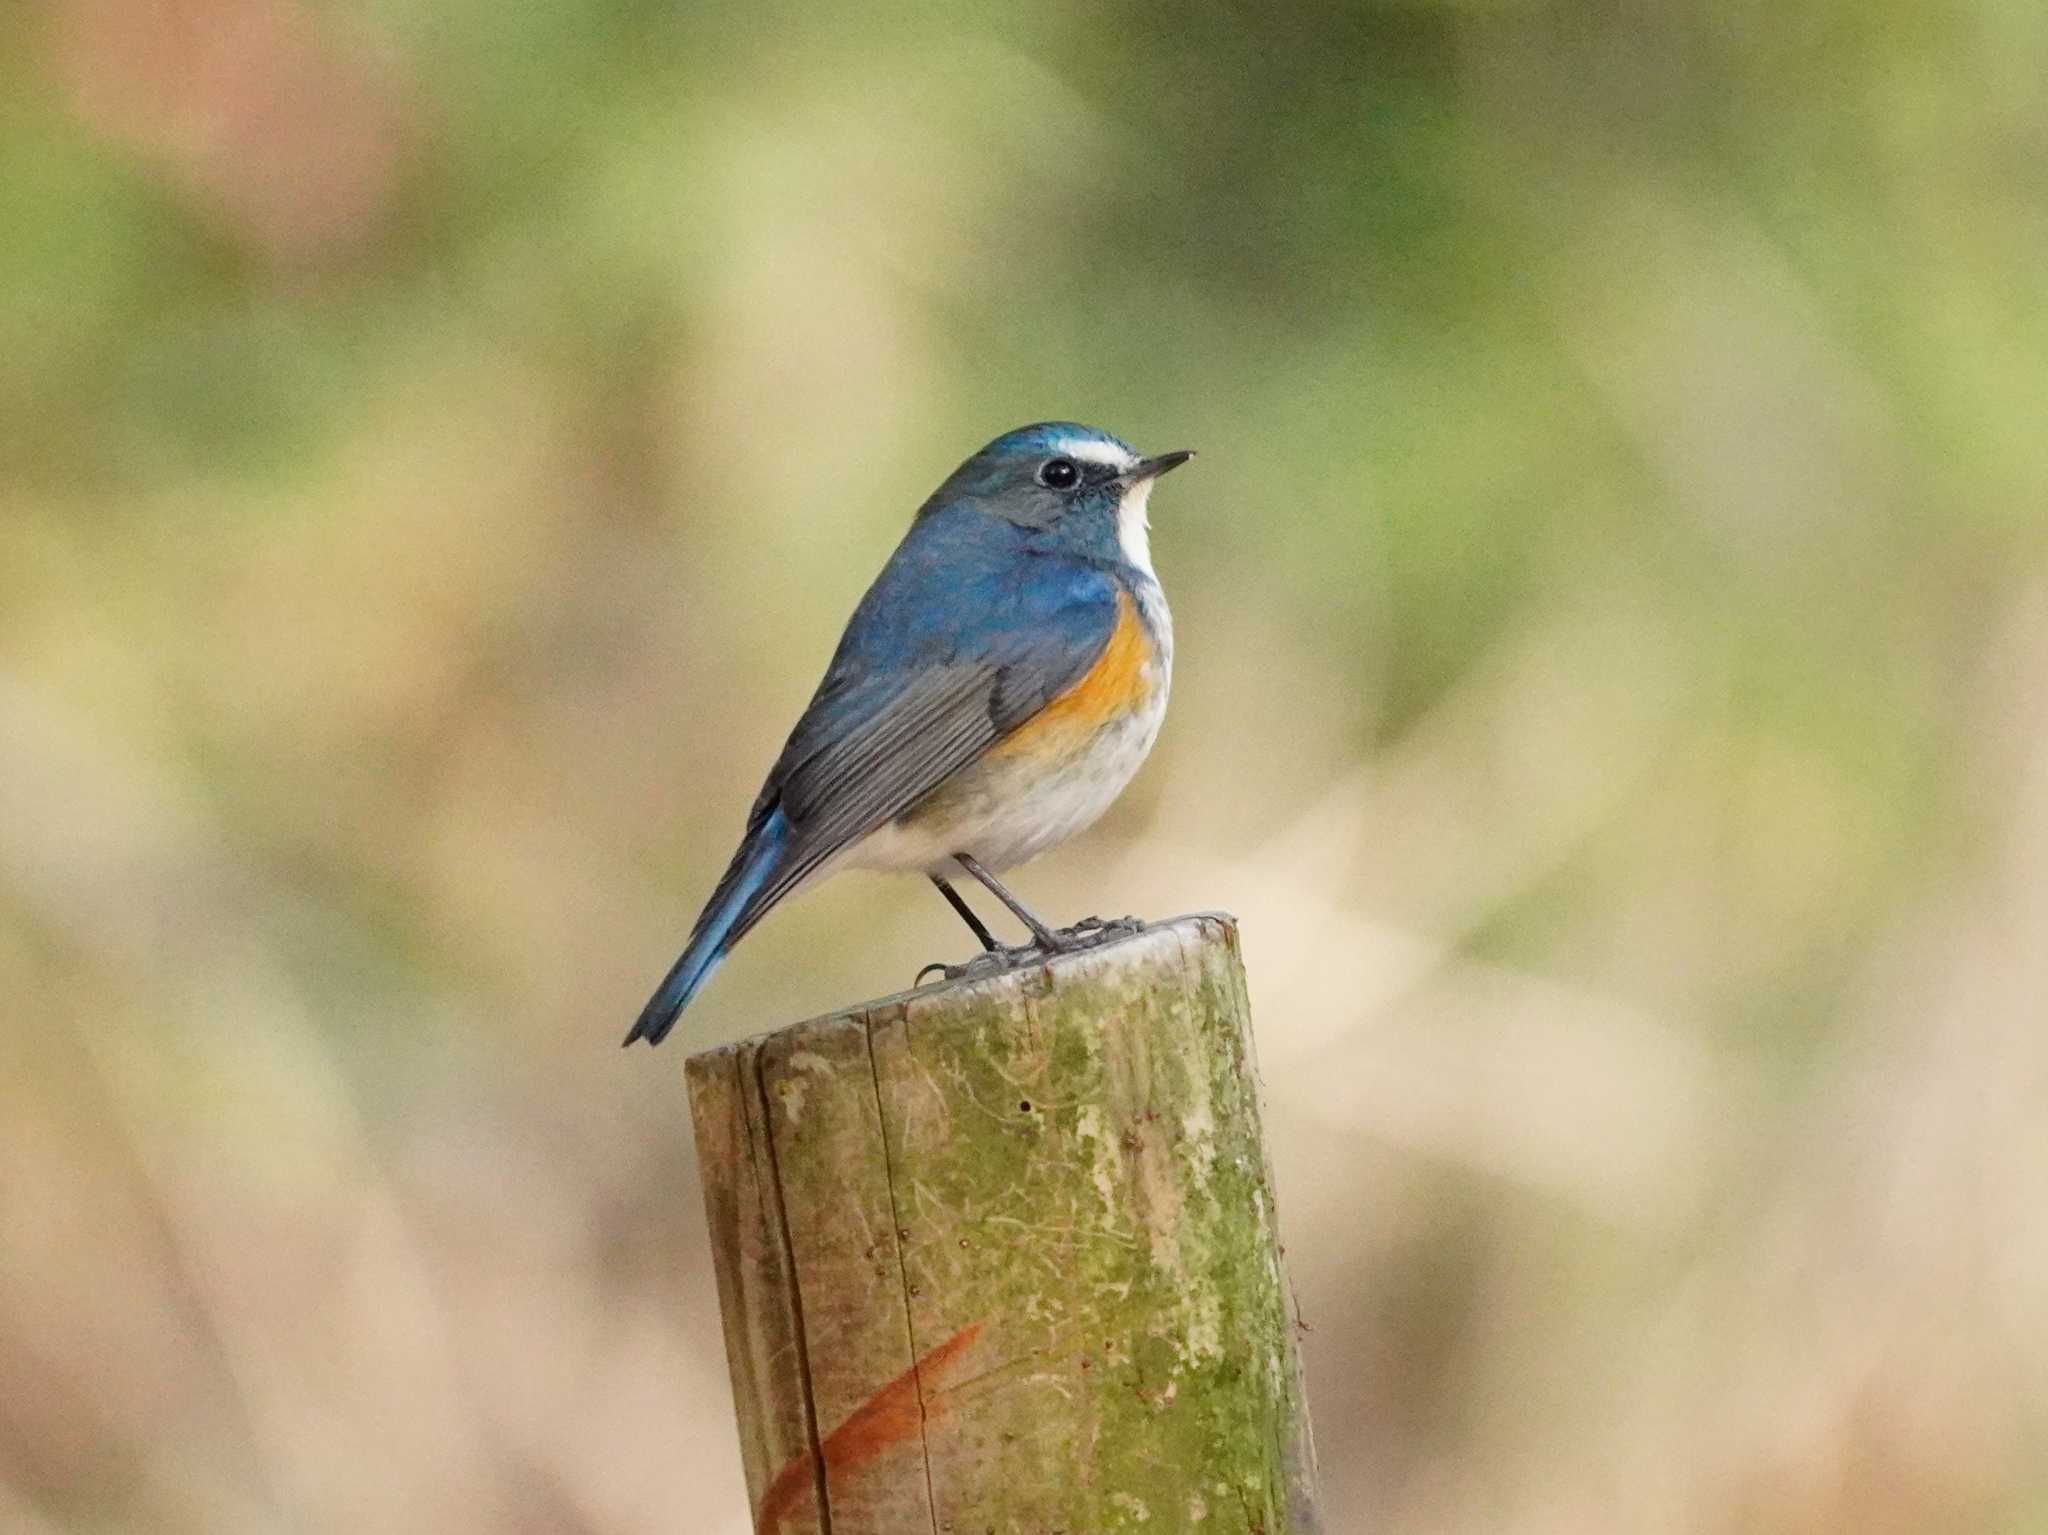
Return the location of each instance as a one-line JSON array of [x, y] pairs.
[[1000, 1256]]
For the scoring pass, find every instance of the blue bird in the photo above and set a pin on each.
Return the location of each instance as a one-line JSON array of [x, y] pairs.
[[994, 691]]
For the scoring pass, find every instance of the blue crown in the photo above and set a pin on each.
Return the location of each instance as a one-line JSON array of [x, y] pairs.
[[1053, 436]]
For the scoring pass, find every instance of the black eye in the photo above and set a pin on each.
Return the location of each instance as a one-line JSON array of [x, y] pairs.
[[1059, 474]]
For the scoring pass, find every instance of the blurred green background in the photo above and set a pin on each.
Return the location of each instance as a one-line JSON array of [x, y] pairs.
[[440, 444]]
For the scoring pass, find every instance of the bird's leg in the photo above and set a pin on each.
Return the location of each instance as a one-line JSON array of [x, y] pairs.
[[1047, 940], [974, 924], [994, 957], [1086, 933]]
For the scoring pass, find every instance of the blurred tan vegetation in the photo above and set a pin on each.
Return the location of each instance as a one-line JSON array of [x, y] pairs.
[[439, 446]]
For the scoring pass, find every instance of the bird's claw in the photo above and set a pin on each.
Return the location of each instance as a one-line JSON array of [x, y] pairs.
[[1094, 930], [1085, 934], [985, 964]]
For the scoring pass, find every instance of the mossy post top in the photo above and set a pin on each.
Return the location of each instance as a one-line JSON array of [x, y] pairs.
[[1001, 1254]]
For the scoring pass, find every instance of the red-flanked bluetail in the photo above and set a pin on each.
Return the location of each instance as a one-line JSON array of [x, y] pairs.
[[995, 690]]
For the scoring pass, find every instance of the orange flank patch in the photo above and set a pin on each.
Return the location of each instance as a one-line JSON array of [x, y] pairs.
[[1113, 686], [894, 1415]]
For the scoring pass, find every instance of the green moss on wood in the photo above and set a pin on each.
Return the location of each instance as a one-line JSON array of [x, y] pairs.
[[1071, 1164]]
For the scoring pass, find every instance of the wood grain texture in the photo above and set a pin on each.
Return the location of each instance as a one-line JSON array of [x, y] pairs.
[[1001, 1256]]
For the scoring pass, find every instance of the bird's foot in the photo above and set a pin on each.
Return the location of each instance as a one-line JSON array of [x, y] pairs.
[[989, 962], [1085, 934], [1090, 931]]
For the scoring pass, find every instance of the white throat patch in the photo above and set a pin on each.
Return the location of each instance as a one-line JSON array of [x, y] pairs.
[[1134, 526]]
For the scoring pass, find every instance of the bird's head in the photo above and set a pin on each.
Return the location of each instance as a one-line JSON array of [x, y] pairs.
[[1077, 484]]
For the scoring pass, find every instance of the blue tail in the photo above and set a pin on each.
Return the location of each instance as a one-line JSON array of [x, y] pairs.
[[752, 867]]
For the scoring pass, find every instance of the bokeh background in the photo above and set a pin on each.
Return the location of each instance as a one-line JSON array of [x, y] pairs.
[[440, 443]]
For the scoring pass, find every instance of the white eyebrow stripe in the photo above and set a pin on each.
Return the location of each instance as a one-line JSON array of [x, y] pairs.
[[1095, 452]]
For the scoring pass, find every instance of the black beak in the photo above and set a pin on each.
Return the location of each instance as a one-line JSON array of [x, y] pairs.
[[1152, 468]]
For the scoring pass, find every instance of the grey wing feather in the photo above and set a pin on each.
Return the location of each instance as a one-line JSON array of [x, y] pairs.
[[896, 740], [869, 748], [900, 742]]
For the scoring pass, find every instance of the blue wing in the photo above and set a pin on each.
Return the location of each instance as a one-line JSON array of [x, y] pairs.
[[969, 631]]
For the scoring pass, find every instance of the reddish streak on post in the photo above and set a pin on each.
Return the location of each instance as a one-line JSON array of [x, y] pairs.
[[890, 1417]]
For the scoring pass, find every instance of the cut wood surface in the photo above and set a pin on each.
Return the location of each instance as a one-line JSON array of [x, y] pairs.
[[1000, 1256]]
